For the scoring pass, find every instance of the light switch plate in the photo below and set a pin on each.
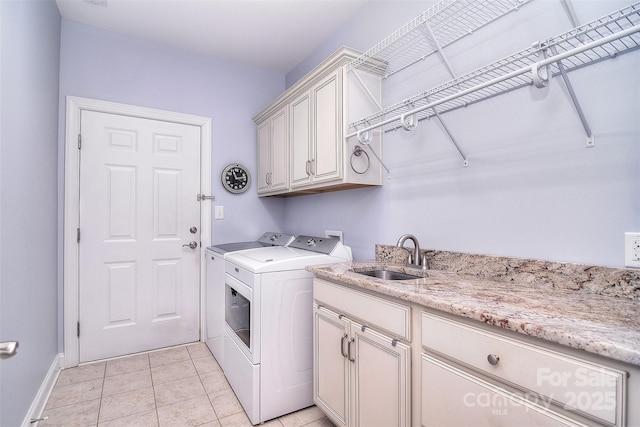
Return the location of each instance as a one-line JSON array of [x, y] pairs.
[[219, 212], [632, 249]]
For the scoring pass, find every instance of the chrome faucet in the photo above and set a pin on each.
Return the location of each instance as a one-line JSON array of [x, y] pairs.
[[415, 259]]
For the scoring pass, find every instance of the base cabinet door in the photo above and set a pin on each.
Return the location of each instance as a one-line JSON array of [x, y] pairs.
[[330, 366], [361, 376], [455, 397], [381, 379]]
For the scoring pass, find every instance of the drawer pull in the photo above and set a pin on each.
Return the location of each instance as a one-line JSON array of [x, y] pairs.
[[236, 269], [493, 359]]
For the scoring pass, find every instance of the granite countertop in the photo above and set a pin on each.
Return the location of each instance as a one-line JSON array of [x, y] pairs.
[[600, 324]]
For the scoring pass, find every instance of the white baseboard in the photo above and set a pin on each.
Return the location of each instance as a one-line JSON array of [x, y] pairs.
[[39, 402]]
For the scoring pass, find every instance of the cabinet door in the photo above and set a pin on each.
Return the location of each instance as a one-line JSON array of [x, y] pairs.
[[264, 156], [453, 397], [279, 150], [330, 366], [381, 378], [327, 114], [215, 306], [301, 141]]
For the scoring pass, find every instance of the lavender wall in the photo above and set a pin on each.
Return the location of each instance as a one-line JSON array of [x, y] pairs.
[[29, 57], [532, 189], [107, 66], [104, 65]]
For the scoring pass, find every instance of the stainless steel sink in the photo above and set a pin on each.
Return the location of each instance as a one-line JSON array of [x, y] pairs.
[[388, 275]]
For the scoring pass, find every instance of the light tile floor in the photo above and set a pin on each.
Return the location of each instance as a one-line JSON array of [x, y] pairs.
[[179, 386]]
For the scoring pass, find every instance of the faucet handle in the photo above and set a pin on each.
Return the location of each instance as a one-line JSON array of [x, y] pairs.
[[424, 262], [410, 259]]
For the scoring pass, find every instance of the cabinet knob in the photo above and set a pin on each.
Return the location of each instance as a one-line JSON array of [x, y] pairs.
[[493, 359]]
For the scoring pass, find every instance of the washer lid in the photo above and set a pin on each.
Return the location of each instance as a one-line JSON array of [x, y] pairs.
[[235, 246], [267, 239], [281, 258]]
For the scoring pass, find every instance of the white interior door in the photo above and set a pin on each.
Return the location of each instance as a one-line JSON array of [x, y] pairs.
[[138, 281]]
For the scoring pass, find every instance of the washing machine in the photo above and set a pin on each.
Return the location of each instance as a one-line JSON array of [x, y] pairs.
[[268, 344], [214, 297]]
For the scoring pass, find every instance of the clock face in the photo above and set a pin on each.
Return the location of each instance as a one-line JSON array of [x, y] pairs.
[[236, 178]]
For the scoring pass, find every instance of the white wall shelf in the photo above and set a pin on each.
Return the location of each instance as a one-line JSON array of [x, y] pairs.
[[604, 38], [438, 27]]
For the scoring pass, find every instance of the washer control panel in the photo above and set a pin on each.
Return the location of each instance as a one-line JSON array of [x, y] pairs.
[[275, 239], [324, 245]]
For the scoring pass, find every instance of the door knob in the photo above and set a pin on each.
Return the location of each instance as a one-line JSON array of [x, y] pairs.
[[191, 244], [8, 349]]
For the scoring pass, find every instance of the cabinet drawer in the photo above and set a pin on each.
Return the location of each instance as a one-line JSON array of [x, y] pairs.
[[471, 401], [387, 315], [576, 385]]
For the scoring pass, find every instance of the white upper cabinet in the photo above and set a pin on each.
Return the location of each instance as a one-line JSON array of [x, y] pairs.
[[301, 140], [319, 106], [273, 152]]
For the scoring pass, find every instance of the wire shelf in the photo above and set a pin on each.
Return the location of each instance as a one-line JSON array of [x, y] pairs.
[[447, 21], [604, 38]]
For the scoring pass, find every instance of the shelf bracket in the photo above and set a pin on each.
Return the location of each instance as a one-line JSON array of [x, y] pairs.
[[574, 99], [365, 140], [571, 12], [453, 75], [465, 161], [433, 38], [364, 86]]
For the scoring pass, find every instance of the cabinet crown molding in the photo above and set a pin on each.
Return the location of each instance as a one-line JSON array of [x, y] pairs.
[[339, 58]]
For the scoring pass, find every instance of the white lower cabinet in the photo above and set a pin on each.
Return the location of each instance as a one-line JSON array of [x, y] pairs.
[[455, 397], [362, 376], [455, 372], [474, 376]]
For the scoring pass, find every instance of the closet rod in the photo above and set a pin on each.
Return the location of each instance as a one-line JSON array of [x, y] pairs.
[[528, 69]]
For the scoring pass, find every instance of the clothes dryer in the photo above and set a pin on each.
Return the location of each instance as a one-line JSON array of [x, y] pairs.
[[213, 304], [268, 345]]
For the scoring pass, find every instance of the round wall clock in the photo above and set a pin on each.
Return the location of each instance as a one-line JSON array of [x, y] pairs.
[[236, 178]]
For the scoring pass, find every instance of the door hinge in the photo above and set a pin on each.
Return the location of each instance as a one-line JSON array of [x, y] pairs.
[[79, 142], [78, 235], [78, 329]]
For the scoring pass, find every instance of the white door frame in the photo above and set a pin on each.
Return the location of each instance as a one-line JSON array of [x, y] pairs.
[[71, 203]]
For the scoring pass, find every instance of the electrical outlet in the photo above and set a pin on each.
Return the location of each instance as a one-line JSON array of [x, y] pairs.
[[632, 249], [335, 234]]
